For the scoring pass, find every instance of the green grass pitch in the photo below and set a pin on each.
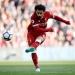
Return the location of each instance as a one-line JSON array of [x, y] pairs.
[[47, 68]]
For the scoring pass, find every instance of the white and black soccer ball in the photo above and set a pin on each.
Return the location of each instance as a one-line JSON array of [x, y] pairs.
[[7, 36]]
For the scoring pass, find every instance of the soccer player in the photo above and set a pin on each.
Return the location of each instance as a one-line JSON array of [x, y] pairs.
[[37, 30]]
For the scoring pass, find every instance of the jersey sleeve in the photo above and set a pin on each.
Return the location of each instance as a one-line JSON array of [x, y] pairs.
[[50, 14], [34, 22]]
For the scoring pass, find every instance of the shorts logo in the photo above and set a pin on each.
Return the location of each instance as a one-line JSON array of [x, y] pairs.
[[30, 40]]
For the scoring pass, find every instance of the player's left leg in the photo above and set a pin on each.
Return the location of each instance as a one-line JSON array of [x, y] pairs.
[[39, 40], [32, 49], [35, 60], [31, 39]]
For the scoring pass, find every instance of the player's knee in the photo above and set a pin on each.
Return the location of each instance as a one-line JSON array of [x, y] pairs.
[[39, 39]]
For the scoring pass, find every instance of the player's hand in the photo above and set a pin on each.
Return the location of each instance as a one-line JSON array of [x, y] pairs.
[[68, 22], [51, 29]]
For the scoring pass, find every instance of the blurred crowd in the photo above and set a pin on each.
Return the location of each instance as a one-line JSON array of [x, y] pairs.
[[18, 12]]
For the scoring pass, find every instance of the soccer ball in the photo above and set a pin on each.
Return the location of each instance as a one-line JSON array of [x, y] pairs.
[[7, 36]]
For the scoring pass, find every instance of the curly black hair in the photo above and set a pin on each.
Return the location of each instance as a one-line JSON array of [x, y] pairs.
[[40, 7]]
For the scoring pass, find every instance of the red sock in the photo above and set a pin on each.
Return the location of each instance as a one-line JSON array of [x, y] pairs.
[[35, 44], [35, 59]]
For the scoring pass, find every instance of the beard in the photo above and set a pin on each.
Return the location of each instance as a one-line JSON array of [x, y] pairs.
[[39, 17]]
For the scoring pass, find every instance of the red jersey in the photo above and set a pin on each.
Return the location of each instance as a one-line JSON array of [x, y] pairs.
[[39, 22]]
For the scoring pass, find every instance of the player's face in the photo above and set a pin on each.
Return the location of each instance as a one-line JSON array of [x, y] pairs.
[[39, 13]]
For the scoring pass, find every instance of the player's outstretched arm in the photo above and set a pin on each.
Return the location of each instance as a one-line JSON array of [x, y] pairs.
[[61, 19], [38, 29]]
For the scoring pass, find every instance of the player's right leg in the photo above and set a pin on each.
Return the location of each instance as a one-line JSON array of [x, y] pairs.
[[30, 49], [35, 42], [31, 39]]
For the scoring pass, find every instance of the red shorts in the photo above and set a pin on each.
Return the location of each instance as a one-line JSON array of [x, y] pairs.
[[31, 37]]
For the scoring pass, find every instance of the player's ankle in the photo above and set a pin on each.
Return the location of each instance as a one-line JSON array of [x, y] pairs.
[[37, 66]]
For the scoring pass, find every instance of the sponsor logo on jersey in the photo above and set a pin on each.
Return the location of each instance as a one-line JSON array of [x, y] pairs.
[[42, 24]]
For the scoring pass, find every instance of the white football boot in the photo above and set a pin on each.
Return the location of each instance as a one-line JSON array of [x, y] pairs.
[[37, 69]]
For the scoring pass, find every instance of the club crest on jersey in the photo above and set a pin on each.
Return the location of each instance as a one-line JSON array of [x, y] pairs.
[[45, 19]]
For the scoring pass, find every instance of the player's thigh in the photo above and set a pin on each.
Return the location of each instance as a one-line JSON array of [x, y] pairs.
[[41, 38], [30, 39]]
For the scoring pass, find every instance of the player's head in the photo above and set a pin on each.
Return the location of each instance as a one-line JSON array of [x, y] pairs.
[[39, 9]]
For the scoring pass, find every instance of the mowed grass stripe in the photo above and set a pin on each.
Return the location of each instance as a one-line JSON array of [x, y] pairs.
[[44, 68], [27, 68], [41, 63]]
